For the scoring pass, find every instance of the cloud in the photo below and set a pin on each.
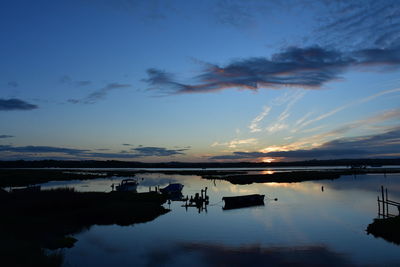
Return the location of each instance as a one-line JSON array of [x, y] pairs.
[[254, 127], [34, 152], [6, 136], [13, 84], [363, 23], [280, 124], [99, 94], [68, 80], [157, 151], [15, 104], [237, 142], [65, 79], [82, 83], [309, 67], [303, 122], [41, 149], [379, 145]]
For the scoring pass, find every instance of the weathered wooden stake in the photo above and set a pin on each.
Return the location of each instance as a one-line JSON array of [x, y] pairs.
[[383, 202], [379, 207], [387, 204]]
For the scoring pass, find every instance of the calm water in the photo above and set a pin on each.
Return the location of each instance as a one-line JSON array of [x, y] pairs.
[[305, 225]]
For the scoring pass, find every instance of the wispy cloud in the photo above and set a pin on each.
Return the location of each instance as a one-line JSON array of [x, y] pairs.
[[6, 136], [359, 23], [41, 149], [13, 84], [15, 152], [15, 104], [280, 124], [303, 122], [236, 142], [157, 151], [68, 80], [99, 94], [379, 145], [254, 125]]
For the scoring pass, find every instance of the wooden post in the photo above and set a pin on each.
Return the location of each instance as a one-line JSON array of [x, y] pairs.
[[387, 204], [379, 208], [383, 202]]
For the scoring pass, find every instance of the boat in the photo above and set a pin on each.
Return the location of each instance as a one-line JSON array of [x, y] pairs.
[[127, 185], [172, 189], [243, 201]]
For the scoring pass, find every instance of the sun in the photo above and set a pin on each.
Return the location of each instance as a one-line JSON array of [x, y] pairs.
[[268, 160]]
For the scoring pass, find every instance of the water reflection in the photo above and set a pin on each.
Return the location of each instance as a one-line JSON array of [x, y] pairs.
[[207, 254], [307, 226], [267, 172]]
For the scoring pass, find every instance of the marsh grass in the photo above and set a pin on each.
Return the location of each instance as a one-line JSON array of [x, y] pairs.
[[33, 221]]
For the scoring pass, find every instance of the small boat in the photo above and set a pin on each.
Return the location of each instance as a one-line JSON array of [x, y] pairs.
[[127, 185], [243, 201], [172, 189]]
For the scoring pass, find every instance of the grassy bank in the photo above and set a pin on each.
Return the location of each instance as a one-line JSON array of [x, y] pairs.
[[388, 229], [34, 221]]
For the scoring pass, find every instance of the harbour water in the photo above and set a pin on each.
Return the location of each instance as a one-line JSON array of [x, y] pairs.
[[312, 223]]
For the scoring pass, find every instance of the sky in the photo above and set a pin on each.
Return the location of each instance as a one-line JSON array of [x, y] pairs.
[[199, 81]]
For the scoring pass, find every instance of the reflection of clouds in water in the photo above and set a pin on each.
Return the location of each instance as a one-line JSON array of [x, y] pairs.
[[238, 189], [157, 181], [101, 243], [205, 254]]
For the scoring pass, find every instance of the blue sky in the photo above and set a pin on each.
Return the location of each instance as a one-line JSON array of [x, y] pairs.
[[199, 80]]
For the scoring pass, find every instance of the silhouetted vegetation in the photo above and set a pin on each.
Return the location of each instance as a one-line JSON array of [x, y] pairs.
[[128, 164], [388, 229], [34, 221]]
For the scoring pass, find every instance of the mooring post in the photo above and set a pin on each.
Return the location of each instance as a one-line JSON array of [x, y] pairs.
[[379, 208], [383, 202], [387, 204]]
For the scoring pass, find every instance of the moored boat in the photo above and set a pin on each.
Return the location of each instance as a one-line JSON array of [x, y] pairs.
[[243, 201], [172, 189], [127, 185]]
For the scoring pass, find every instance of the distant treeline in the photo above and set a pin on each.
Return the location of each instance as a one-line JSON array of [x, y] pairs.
[[127, 164]]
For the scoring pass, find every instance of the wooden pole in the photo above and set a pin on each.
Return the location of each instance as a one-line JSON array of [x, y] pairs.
[[383, 202], [387, 204], [379, 208]]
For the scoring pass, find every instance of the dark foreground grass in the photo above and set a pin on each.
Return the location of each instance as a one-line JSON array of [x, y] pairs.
[[388, 229], [32, 222]]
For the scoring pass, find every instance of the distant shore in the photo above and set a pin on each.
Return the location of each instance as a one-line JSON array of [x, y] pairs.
[[10, 177], [130, 164]]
